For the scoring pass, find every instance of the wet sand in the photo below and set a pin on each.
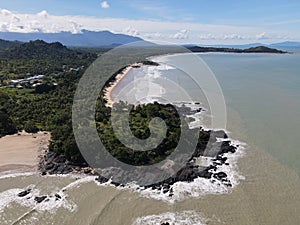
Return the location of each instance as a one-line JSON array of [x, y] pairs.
[[21, 150]]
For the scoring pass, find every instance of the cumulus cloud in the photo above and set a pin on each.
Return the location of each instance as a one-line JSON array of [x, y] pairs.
[[43, 14], [182, 34], [4, 27], [105, 5], [75, 27], [131, 31], [5, 12], [148, 29], [261, 36], [154, 36], [233, 36]]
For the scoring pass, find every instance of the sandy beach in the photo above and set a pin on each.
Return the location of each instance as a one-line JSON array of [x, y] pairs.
[[22, 150], [119, 77]]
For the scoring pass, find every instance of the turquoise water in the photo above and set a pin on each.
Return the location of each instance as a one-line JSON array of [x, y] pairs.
[[265, 90]]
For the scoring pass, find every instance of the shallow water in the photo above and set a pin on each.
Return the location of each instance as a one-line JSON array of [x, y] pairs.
[[262, 97]]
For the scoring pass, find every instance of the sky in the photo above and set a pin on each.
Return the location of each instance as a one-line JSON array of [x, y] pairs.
[[173, 21]]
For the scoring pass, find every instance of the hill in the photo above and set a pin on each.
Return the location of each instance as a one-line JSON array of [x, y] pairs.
[[85, 38], [4, 44], [257, 49], [40, 50]]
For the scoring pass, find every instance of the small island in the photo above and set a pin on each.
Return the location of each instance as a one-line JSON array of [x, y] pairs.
[[257, 49]]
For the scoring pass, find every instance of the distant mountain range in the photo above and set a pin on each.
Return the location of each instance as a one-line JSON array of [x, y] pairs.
[[86, 38], [41, 50], [274, 45], [105, 38], [286, 44]]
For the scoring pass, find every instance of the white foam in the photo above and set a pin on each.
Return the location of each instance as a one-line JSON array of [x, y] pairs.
[[174, 218], [51, 203], [202, 186], [12, 174]]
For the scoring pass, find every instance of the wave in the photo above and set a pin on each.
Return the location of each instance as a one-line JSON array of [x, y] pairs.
[[53, 201], [176, 218]]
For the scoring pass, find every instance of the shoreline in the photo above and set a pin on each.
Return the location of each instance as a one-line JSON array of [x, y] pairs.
[[107, 91], [22, 150], [52, 163]]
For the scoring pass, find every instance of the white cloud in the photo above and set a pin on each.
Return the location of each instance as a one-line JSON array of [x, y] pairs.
[[43, 14], [76, 28], [262, 36], [232, 37], [147, 29], [131, 31], [183, 34], [154, 36], [105, 5], [227, 36], [5, 12]]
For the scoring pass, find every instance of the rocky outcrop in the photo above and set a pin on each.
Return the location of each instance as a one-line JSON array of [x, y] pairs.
[[24, 193], [53, 163], [211, 144], [40, 199]]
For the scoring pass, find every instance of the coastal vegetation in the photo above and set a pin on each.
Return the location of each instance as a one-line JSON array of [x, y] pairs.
[[38, 82], [48, 104]]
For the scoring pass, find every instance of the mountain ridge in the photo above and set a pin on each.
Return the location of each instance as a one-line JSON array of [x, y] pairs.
[[41, 50], [85, 38]]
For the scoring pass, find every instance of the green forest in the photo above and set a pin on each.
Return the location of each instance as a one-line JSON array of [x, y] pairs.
[[38, 81], [48, 107], [45, 107]]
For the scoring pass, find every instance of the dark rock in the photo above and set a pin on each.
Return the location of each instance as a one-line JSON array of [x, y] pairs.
[[60, 159], [220, 175], [54, 169], [116, 184], [222, 159], [219, 134], [57, 197], [185, 174], [87, 170], [49, 166], [101, 179], [40, 199], [217, 163], [226, 147], [67, 169], [24, 193], [166, 223], [60, 168]]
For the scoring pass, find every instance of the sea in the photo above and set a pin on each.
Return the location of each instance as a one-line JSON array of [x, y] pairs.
[[262, 101]]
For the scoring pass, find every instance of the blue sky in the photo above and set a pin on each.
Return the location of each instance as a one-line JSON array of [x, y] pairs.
[[193, 21]]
